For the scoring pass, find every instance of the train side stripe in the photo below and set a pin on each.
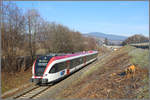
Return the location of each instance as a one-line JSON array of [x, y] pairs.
[[34, 66]]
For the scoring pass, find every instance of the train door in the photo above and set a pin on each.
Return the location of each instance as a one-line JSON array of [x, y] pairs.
[[68, 66], [84, 59]]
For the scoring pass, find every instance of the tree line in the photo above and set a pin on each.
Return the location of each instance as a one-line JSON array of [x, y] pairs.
[[28, 34], [137, 38]]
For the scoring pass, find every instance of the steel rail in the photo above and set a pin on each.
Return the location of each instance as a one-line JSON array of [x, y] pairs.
[[30, 93]]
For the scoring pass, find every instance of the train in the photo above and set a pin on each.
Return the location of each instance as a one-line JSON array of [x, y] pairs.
[[52, 68]]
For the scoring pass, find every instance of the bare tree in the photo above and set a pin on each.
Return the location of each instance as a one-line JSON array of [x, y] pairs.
[[33, 18], [12, 29], [78, 42], [23, 34], [61, 41]]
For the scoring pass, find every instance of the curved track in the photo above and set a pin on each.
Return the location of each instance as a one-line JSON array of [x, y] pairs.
[[33, 92]]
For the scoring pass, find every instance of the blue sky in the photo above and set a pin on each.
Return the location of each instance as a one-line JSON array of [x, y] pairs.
[[111, 17]]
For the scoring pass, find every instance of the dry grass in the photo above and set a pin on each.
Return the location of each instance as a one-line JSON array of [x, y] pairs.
[[101, 82], [14, 80]]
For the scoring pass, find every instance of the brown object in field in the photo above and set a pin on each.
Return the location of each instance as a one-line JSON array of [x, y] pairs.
[[130, 71]]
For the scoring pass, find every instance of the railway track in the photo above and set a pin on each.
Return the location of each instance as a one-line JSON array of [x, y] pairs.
[[36, 90], [144, 45], [33, 92]]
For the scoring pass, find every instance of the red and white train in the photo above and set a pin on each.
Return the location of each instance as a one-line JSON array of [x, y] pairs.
[[49, 69]]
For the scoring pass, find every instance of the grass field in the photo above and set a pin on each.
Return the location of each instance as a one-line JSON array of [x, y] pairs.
[[104, 81], [140, 57]]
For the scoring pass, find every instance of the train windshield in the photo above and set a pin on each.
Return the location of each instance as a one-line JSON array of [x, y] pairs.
[[41, 64]]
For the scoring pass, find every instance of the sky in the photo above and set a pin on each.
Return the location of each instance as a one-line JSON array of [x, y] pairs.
[[111, 17]]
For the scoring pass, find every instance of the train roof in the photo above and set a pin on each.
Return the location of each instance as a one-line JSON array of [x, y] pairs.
[[62, 55], [75, 54]]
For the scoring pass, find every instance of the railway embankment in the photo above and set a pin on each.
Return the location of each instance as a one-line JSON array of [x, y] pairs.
[[20, 81], [115, 75], [120, 74], [73, 78]]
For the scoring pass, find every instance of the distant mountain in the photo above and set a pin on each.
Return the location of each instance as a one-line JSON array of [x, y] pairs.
[[108, 36]]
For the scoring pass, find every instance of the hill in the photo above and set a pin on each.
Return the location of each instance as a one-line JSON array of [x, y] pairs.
[[137, 38], [108, 36]]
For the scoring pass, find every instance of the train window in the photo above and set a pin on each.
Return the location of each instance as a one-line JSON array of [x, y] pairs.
[[88, 58], [76, 62], [72, 63], [58, 67], [41, 64], [53, 70], [93, 56], [80, 60], [62, 66]]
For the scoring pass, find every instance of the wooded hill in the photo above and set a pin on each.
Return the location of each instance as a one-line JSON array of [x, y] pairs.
[[137, 38]]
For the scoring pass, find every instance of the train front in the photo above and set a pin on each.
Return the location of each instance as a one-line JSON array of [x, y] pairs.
[[38, 69]]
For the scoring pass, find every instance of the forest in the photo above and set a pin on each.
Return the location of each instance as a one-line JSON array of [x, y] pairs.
[[24, 35]]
